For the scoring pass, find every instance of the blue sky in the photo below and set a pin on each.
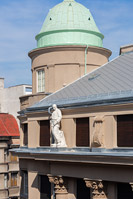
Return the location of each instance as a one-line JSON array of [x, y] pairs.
[[21, 20]]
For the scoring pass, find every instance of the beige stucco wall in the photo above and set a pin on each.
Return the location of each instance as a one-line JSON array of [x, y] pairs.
[[69, 129], [1, 155], [33, 134], [110, 131], [65, 64], [33, 180], [68, 125], [127, 48], [29, 100], [112, 173]]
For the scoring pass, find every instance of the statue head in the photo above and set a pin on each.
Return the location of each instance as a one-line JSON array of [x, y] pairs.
[[54, 107]]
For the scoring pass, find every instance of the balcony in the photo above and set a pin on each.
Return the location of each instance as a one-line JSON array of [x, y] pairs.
[[3, 168], [14, 192], [13, 166], [3, 194], [29, 100]]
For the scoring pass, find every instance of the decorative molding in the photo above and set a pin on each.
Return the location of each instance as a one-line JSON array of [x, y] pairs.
[[59, 184], [98, 188], [98, 131]]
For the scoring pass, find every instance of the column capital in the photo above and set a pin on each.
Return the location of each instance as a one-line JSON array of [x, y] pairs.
[[60, 185], [131, 183], [98, 188]]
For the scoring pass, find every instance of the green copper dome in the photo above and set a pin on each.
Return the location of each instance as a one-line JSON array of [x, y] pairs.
[[69, 23]]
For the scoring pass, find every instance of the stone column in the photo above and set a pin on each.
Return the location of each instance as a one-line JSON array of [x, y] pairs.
[[99, 189], [60, 186]]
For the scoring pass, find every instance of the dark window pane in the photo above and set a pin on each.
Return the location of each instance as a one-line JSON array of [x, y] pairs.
[[25, 134], [24, 188], [45, 187], [125, 130], [82, 132], [83, 192], [124, 191], [44, 133]]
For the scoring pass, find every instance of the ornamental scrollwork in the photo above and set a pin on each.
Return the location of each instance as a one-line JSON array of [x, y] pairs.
[[60, 185], [98, 188]]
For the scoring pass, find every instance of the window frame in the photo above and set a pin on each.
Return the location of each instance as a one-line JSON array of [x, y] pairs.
[[42, 87], [44, 133], [13, 158], [6, 180], [14, 177], [25, 134], [125, 130], [87, 133]]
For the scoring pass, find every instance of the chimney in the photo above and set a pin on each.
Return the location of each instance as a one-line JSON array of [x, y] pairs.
[[126, 49], [1, 83]]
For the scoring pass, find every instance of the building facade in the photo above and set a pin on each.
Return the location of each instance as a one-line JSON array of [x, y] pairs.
[[9, 166], [9, 98], [70, 68]]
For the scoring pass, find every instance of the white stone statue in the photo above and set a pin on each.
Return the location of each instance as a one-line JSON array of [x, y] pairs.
[[55, 119]]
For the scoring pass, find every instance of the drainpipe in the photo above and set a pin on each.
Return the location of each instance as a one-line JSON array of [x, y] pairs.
[[85, 58]]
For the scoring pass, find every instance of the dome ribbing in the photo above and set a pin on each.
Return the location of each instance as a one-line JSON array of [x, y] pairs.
[[69, 23]]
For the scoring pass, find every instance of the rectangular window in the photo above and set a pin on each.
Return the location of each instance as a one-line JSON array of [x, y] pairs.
[[45, 133], [25, 182], [5, 180], [5, 155], [25, 131], [13, 179], [125, 130], [82, 132], [13, 158], [83, 192], [41, 80], [45, 188]]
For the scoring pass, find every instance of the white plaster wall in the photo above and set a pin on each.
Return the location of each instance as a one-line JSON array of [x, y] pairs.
[[9, 98]]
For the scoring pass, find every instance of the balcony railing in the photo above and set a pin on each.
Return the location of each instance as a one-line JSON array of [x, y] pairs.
[[29, 100], [14, 191]]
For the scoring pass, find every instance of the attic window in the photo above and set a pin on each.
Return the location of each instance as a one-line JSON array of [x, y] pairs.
[[89, 18], [70, 4], [50, 18]]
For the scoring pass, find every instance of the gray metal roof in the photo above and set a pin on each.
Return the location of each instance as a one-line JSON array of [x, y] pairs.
[[111, 82], [80, 151]]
